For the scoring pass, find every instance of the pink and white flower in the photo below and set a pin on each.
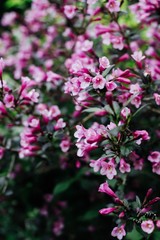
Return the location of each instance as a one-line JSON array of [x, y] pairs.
[[119, 232], [113, 6], [108, 169], [147, 226], [157, 98], [98, 82], [138, 56], [8, 100], [70, 11], [124, 167]]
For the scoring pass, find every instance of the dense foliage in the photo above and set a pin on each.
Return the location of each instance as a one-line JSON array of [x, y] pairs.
[[79, 120]]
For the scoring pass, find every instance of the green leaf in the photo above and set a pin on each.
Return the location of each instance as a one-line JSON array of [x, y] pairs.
[[116, 107], [134, 234], [16, 3], [89, 215], [109, 109], [93, 109], [107, 71], [62, 186], [138, 201]]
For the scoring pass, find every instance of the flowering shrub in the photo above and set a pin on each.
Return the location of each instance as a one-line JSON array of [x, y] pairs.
[[79, 108]]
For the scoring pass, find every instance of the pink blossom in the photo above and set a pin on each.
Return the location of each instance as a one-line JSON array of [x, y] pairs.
[[107, 210], [108, 169], [96, 164], [138, 164], [111, 126], [104, 187], [8, 18], [125, 112], [87, 45], [2, 109], [84, 148], [98, 82], [157, 98], [70, 11], [85, 81], [58, 227], [104, 62], [154, 157], [113, 6], [156, 168], [2, 64], [59, 124], [158, 223], [136, 101], [124, 167], [147, 226], [80, 133], [138, 56], [91, 135], [54, 112], [65, 145], [117, 42], [141, 135], [135, 89], [119, 232], [9, 100], [111, 86], [33, 95], [1, 152]]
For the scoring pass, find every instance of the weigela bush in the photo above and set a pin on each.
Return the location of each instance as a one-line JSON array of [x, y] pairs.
[[80, 93]]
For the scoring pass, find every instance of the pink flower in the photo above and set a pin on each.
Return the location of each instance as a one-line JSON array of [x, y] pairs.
[[80, 133], [65, 145], [124, 167], [147, 226], [135, 89], [111, 86], [96, 164], [108, 169], [98, 82], [84, 147], [104, 62], [85, 81], [118, 232], [117, 42], [111, 126], [1, 152], [87, 45], [59, 124], [9, 100], [2, 109], [156, 168], [113, 6], [136, 101], [158, 223], [54, 112], [125, 112], [104, 187], [107, 210], [70, 11], [137, 56], [141, 135], [154, 157], [157, 98], [1, 66], [33, 95]]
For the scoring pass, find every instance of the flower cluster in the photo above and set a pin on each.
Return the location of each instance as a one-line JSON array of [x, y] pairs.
[[79, 89]]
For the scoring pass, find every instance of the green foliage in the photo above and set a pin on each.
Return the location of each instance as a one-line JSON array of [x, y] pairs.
[[17, 4]]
